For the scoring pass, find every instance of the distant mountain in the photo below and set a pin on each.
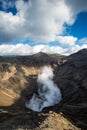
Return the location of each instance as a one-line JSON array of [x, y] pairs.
[[57, 55], [18, 81], [39, 54], [38, 59]]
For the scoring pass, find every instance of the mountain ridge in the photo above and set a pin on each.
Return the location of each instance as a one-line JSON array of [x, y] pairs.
[[18, 81]]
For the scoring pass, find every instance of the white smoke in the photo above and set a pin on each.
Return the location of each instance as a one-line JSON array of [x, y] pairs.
[[48, 92]]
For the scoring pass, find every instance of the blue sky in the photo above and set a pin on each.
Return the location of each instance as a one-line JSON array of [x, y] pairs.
[[79, 28], [51, 26]]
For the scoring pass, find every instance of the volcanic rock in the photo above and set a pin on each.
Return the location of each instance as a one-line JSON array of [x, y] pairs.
[[18, 82]]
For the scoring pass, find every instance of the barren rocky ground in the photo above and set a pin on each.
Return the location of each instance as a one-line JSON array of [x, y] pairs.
[[18, 81]]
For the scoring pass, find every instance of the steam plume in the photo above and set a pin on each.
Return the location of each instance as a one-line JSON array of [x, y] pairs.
[[48, 92]]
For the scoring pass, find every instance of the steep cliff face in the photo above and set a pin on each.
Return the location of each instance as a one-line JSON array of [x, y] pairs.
[[71, 77], [13, 80], [20, 73], [18, 81]]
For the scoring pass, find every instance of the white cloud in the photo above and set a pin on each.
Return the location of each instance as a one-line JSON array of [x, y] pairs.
[[10, 27], [39, 20], [83, 41], [68, 40], [18, 49], [74, 49], [46, 20], [21, 49]]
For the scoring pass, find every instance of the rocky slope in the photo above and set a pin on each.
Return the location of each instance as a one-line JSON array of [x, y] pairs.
[[18, 81]]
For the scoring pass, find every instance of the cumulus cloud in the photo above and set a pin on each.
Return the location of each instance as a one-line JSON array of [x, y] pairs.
[[68, 40], [9, 27], [21, 49], [39, 20], [74, 49]]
